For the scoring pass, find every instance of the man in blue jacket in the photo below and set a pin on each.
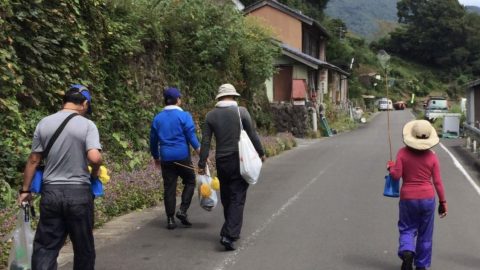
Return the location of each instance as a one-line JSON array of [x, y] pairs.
[[171, 134]]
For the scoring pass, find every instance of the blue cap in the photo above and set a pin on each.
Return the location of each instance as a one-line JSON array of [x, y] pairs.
[[171, 93], [84, 91]]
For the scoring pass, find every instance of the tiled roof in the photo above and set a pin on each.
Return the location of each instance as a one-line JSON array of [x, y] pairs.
[[311, 60], [473, 83]]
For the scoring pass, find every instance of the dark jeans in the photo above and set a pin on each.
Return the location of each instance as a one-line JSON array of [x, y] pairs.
[[170, 174], [64, 210], [233, 193]]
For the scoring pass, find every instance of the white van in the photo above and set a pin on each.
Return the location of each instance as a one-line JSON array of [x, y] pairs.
[[385, 104]]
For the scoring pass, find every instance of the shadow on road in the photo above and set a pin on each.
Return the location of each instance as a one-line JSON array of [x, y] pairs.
[[463, 260], [362, 262]]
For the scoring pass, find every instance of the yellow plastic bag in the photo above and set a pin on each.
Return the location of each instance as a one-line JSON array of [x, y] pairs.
[[215, 184], [102, 174]]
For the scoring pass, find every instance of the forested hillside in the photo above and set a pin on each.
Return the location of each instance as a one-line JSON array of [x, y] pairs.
[[369, 19], [439, 34]]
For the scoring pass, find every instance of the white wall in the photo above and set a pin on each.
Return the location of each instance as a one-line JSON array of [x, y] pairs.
[[471, 106], [269, 86]]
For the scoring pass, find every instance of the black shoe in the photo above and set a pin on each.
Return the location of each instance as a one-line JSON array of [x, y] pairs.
[[171, 223], [182, 216], [227, 242], [407, 258]]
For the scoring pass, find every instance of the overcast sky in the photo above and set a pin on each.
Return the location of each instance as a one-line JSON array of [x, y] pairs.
[[470, 2]]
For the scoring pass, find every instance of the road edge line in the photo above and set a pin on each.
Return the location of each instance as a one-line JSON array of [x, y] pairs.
[[230, 260], [462, 169]]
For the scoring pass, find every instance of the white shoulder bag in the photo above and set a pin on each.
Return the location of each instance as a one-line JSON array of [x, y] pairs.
[[250, 162]]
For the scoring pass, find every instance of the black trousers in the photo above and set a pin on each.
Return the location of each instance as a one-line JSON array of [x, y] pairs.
[[64, 210], [170, 174], [233, 193]]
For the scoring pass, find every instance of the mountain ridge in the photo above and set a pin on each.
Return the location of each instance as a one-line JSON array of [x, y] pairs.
[[474, 9]]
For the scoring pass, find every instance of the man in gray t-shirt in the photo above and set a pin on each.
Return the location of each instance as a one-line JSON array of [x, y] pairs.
[[67, 161], [66, 207]]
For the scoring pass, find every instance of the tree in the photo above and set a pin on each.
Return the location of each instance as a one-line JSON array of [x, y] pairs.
[[472, 32], [433, 32]]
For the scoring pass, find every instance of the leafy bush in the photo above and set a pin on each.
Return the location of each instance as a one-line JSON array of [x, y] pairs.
[[274, 145], [129, 191], [125, 52]]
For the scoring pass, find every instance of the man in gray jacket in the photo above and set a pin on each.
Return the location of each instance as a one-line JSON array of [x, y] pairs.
[[224, 123]]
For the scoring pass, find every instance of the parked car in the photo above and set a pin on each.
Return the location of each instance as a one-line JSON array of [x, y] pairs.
[[436, 107], [385, 104], [400, 105]]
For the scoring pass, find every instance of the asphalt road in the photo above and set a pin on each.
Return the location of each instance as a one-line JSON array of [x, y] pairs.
[[319, 206]]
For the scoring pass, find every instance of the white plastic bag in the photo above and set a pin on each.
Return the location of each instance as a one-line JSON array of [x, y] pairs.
[[206, 202], [21, 253], [250, 162]]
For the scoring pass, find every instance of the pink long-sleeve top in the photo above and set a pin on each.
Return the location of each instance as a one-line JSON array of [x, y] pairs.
[[420, 171]]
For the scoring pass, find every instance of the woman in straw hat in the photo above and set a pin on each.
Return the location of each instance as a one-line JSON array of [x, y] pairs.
[[224, 123], [419, 168]]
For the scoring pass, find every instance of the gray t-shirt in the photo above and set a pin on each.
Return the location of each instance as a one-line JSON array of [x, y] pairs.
[[67, 161]]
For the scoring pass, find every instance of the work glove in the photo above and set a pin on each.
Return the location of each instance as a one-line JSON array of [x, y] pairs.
[[390, 164], [442, 209]]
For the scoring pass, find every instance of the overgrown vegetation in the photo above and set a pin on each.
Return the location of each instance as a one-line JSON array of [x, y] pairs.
[[126, 52]]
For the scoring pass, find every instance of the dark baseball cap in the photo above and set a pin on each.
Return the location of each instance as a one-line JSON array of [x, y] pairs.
[[171, 93], [84, 91]]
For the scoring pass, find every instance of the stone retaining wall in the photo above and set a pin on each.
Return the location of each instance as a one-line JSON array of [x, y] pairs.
[[294, 119]]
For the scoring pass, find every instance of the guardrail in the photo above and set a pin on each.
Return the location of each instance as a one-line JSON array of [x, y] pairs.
[[472, 135]]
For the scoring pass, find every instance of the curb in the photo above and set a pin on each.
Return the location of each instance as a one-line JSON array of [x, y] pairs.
[[114, 230]]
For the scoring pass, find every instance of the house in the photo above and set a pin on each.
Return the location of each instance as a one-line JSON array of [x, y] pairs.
[[473, 103], [304, 77], [303, 42]]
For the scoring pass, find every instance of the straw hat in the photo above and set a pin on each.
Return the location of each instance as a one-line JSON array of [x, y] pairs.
[[420, 135], [226, 90]]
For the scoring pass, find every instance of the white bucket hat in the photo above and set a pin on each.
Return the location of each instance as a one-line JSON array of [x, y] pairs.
[[420, 135], [226, 90]]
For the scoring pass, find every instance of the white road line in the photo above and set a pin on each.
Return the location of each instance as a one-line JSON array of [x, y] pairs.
[[461, 169], [459, 166], [232, 258]]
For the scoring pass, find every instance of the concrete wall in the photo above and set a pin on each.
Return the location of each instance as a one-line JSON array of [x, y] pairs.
[[269, 87], [300, 72], [470, 106]]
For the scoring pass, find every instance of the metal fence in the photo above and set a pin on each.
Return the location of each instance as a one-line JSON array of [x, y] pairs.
[[472, 135]]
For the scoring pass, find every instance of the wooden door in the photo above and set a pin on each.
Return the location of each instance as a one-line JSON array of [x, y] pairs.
[[282, 84]]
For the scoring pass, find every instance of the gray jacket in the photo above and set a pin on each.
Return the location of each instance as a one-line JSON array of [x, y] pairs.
[[223, 122]]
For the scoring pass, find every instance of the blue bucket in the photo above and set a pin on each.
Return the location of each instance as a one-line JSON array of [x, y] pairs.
[[392, 187], [37, 180], [97, 187]]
